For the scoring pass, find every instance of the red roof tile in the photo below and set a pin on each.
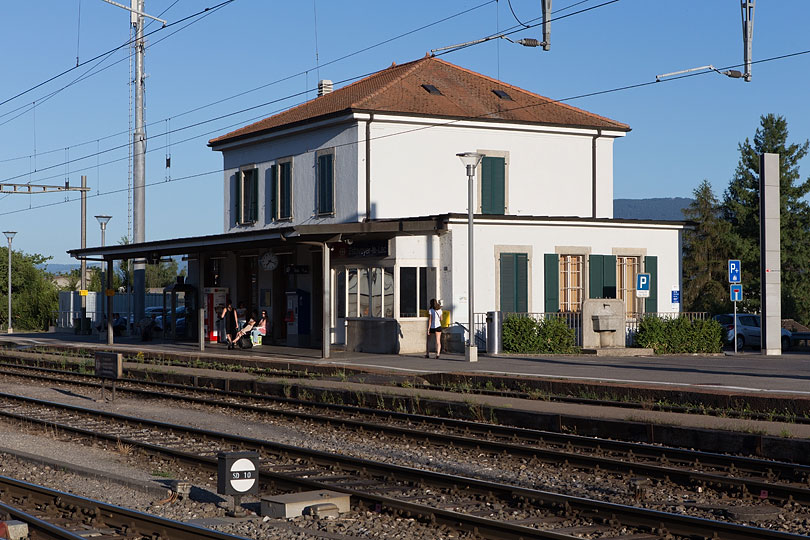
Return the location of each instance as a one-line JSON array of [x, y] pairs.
[[464, 94]]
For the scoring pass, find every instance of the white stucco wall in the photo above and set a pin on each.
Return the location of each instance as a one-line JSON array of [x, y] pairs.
[[302, 147], [539, 238], [415, 170]]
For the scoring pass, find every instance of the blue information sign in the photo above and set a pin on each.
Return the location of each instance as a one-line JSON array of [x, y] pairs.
[[734, 271], [676, 297], [736, 292]]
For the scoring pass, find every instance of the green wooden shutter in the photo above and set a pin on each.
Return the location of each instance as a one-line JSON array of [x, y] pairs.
[[254, 201], [493, 185], [609, 277], [285, 190], [514, 281], [508, 282], [596, 280], [237, 204], [602, 276], [273, 192], [551, 263], [521, 282], [325, 183], [651, 267]]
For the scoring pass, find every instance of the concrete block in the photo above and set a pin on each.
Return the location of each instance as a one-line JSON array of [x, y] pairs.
[[310, 502], [14, 530], [181, 488]]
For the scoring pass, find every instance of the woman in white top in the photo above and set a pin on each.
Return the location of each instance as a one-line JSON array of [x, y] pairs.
[[434, 327]]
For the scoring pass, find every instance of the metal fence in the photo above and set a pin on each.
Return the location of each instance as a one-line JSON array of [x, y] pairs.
[[634, 319], [572, 319]]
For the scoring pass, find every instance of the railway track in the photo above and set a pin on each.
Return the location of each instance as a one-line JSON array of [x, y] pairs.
[[765, 479], [492, 510], [56, 515]]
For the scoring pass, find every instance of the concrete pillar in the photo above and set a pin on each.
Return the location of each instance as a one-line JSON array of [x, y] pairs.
[[770, 255]]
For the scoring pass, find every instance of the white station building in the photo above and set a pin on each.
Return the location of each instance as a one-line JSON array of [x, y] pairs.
[[345, 215]]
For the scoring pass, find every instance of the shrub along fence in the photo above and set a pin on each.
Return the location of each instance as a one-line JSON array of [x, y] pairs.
[[550, 333], [679, 334]]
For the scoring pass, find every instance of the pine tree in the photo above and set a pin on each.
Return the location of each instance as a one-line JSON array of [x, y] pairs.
[[705, 253], [741, 209]]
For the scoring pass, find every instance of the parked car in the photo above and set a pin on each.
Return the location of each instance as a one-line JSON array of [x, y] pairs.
[[749, 330], [180, 317]]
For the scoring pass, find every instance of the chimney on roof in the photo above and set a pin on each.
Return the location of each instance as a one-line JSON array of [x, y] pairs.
[[324, 87]]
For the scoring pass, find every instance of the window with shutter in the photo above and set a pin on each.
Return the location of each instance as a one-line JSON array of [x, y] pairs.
[[285, 190], [493, 185], [514, 282], [602, 276], [325, 172]]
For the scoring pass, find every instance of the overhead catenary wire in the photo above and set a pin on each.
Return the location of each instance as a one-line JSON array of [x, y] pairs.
[[421, 128], [126, 44], [265, 85], [328, 63]]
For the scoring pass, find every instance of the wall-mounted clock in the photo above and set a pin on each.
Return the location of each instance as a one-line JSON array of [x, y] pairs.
[[269, 260]]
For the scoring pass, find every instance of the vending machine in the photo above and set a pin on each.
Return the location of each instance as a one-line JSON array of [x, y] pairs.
[[214, 301]]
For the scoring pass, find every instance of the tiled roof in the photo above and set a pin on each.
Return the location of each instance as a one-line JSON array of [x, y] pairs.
[[463, 94]]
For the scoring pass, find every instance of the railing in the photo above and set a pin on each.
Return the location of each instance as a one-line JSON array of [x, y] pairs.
[[572, 319], [633, 320]]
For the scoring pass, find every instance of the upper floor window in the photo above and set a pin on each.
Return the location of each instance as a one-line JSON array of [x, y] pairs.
[[247, 196], [326, 182], [281, 184], [493, 185]]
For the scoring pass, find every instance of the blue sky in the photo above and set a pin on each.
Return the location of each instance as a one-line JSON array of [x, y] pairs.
[[683, 130]]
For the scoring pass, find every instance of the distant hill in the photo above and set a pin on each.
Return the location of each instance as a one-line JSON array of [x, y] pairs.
[[665, 208]]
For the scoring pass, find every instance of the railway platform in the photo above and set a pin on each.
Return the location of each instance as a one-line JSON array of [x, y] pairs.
[[751, 376]]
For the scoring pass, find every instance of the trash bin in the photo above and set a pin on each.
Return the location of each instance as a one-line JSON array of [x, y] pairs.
[[494, 335]]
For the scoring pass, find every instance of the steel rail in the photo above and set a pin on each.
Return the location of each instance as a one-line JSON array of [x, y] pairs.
[[601, 511], [738, 465], [114, 517], [39, 528]]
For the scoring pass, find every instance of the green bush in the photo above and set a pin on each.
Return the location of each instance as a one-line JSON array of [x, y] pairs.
[[525, 335], [679, 335], [519, 335]]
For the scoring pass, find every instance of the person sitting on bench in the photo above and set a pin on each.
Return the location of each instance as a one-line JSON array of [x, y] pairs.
[[245, 331]]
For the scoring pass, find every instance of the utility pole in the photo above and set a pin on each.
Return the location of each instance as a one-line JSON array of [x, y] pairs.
[[546, 25], [39, 188], [747, 9], [139, 162], [138, 150]]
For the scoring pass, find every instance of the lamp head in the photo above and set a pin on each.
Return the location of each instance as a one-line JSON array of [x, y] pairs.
[[470, 159], [9, 234], [102, 220]]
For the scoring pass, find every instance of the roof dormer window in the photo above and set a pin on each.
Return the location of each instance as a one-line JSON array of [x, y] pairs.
[[503, 95], [430, 89]]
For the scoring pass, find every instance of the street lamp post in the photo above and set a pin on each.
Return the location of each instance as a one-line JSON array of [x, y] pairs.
[[470, 161], [103, 220], [10, 236]]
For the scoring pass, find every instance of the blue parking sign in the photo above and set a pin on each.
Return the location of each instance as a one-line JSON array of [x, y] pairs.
[[736, 292], [643, 285], [734, 271]]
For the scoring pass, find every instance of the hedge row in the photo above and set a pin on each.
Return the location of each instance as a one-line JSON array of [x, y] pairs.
[[550, 335], [680, 335]]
